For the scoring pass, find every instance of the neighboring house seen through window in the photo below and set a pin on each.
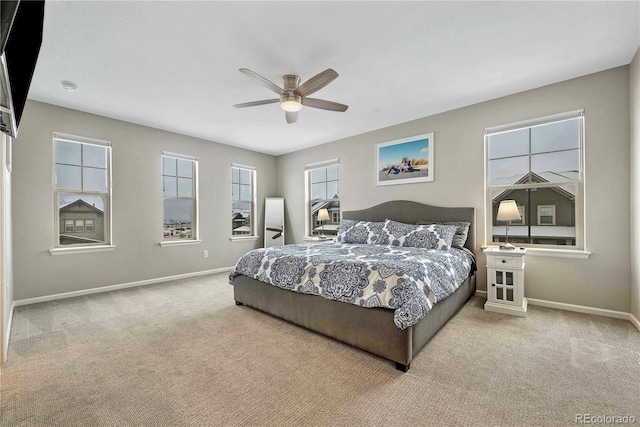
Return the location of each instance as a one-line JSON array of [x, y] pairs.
[[539, 165], [82, 180], [323, 190], [180, 197], [243, 200]]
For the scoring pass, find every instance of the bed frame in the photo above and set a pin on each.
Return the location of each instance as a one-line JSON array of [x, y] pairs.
[[369, 329]]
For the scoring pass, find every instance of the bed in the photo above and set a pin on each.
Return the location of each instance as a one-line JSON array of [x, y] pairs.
[[372, 328]]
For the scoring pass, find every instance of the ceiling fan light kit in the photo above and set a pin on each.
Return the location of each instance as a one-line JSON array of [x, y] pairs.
[[291, 103], [293, 95]]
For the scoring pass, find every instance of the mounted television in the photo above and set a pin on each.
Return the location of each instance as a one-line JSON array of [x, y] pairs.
[[21, 32]]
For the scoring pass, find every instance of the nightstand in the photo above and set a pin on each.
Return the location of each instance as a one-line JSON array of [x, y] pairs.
[[505, 281]]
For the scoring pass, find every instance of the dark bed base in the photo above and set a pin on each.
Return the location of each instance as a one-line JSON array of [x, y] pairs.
[[370, 329]]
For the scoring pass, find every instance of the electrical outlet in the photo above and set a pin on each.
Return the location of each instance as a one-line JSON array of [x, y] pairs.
[[205, 254]]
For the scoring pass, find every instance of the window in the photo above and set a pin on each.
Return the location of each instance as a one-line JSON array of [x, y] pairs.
[[82, 180], [88, 225], [323, 192], [539, 165], [546, 215], [243, 200], [180, 197]]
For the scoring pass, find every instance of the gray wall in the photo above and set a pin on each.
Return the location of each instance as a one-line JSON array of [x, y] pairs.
[[601, 281], [137, 204], [634, 78]]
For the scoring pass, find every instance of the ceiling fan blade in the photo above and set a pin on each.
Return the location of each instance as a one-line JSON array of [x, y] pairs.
[[275, 236], [254, 103], [324, 105], [274, 229], [316, 82], [292, 117], [264, 82]]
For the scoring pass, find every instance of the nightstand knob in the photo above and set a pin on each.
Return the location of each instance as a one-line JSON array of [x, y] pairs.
[[504, 260]]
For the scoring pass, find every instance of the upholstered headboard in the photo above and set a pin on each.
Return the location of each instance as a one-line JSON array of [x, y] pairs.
[[411, 212]]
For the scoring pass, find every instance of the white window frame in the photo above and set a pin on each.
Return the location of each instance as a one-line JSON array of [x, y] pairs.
[[253, 235], [553, 214], [79, 225], [108, 196], [577, 251], [195, 226], [69, 226], [86, 225], [308, 169]]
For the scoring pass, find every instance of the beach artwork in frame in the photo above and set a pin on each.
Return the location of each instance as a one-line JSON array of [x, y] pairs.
[[405, 161]]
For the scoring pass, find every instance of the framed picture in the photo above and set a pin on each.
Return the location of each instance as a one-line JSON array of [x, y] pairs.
[[405, 161]]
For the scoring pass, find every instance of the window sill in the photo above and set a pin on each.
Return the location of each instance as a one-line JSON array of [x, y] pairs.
[[81, 250], [555, 253], [180, 243], [243, 238]]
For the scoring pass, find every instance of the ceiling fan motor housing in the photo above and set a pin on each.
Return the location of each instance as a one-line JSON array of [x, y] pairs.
[[290, 82]]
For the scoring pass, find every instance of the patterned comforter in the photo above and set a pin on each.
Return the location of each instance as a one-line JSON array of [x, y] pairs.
[[405, 279]]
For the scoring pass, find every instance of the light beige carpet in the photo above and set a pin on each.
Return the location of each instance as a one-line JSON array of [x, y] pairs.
[[182, 354]]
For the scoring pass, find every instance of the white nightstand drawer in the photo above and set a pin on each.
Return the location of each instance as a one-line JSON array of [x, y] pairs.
[[505, 261]]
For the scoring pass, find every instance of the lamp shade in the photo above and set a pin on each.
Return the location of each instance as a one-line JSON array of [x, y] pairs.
[[323, 215], [508, 211]]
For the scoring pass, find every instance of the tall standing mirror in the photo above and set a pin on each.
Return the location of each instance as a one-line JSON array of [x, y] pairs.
[[273, 221]]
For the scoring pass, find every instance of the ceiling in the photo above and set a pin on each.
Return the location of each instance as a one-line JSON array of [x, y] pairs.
[[173, 65]]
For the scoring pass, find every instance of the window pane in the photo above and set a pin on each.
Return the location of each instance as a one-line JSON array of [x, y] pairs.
[[550, 216], [68, 152], [556, 136], [83, 218], [319, 191], [245, 192], [332, 189], [558, 166], [235, 192], [332, 173], [318, 175], [514, 143], [241, 219], [169, 186], [185, 168], [94, 180], [169, 166], [68, 177], [508, 171], [185, 187], [178, 215], [235, 175], [245, 176], [94, 155]]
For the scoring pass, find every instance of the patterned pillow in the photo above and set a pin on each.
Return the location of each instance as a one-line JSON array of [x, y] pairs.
[[433, 236], [363, 232], [462, 231]]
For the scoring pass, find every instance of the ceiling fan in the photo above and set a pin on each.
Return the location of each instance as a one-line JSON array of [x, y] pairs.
[[294, 95], [278, 232]]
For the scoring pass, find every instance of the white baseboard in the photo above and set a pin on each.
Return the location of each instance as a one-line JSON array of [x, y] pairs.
[[635, 321], [109, 288], [5, 346], [579, 309]]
